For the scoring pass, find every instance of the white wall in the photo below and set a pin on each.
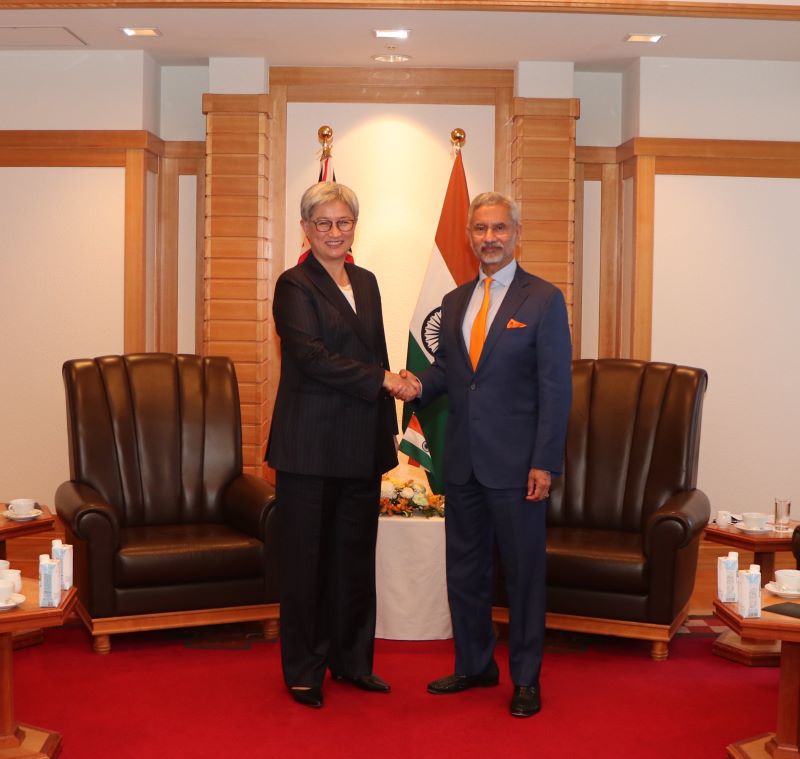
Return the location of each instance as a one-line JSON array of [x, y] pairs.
[[61, 274], [735, 100], [397, 159], [600, 94], [725, 299], [78, 90], [182, 89]]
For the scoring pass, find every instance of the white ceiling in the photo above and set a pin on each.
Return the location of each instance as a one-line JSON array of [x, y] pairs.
[[457, 39]]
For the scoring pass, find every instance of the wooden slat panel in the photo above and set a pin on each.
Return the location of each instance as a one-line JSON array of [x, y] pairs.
[[222, 143], [551, 271], [548, 210], [253, 165], [543, 168], [548, 230], [234, 288], [544, 189], [353, 93], [238, 104], [395, 77], [68, 156], [542, 250], [135, 338], [235, 350], [223, 330], [238, 309], [545, 128], [530, 147], [235, 226], [247, 123], [236, 247], [642, 306], [231, 268], [248, 185], [236, 205]]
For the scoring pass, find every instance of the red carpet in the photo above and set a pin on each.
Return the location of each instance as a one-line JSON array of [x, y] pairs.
[[159, 695]]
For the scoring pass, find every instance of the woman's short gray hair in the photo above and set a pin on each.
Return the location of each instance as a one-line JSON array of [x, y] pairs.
[[494, 199], [327, 192]]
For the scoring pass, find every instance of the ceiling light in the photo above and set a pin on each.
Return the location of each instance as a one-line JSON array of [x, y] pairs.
[[644, 37], [131, 31], [392, 34], [391, 58]]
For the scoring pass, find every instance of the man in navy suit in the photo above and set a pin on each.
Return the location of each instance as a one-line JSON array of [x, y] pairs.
[[504, 360]]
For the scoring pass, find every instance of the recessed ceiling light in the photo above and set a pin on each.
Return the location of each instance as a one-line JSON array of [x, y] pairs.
[[391, 58], [393, 34], [644, 38], [131, 31]]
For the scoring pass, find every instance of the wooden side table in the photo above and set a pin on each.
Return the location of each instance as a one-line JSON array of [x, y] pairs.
[[19, 741], [784, 743], [730, 645]]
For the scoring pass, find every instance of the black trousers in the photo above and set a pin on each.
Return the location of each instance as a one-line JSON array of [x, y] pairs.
[[328, 528]]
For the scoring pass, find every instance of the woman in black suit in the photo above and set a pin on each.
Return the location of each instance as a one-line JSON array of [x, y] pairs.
[[332, 437]]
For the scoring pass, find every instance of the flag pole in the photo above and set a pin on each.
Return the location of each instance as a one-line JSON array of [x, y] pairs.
[[458, 137], [325, 136]]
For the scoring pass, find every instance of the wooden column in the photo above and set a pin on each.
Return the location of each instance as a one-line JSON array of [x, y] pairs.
[[543, 181], [237, 319]]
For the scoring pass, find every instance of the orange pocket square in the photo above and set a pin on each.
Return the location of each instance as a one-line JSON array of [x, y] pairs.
[[514, 324]]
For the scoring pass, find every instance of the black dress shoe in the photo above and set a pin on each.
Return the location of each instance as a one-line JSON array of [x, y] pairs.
[[307, 696], [371, 683], [526, 701], [456, 683]]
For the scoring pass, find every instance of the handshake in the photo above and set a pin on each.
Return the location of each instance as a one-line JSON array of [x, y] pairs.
[[404, 386]]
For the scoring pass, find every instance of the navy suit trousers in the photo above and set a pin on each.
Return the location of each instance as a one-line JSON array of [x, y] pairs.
[[475, 515]]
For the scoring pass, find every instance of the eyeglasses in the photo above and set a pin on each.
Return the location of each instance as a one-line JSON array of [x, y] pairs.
[[325, 225], [500, 230]]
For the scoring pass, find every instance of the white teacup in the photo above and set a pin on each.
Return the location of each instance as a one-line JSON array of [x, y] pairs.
[[754, 520], [4, 564], [15, 575], [788, 579], [723, 518], [6, 589], [21, 507]]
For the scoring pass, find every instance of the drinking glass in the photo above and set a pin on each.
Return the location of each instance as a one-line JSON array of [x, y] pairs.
[[782, 508]]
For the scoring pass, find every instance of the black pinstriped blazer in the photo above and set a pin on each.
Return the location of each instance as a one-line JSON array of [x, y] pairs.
[[332, 416]]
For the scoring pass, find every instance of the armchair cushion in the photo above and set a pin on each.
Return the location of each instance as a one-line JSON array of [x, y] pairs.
[[185, 553]]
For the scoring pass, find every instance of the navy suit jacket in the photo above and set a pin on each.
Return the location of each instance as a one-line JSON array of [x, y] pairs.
[[510, 414], [332, 416]]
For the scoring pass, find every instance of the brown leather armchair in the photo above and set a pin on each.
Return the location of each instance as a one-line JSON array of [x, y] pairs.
[[167, 530], [625, 521]]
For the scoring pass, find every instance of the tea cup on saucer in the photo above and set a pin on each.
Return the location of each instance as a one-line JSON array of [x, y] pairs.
[[788, 580], [15, 575], [22, 507], [754, 520], [6, 590]]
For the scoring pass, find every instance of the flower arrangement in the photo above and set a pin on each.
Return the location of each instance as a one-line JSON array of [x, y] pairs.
[[409, 498]]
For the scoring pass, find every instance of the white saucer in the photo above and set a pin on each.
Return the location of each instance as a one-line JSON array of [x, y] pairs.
[[15, 600], [776, 591], [34, 514], [753, 532]]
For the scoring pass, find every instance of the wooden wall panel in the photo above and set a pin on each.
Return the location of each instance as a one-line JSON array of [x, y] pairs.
[[543, 180], [237, 277]]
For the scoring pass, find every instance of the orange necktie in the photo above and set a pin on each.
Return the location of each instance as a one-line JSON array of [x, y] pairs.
[[478, 335]]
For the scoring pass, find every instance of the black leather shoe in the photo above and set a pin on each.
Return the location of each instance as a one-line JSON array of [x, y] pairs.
[[456, 683], [371, 683], [307, 696], [526, 701]]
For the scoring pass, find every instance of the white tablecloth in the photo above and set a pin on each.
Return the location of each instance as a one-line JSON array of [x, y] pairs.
[[410, 576]]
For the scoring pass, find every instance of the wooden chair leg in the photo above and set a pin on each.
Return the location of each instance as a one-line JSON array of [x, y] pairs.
[[271, 630], [102, 644], [659, 651]]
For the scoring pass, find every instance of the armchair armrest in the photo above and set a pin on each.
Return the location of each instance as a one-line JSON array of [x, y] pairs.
[[678, 522], [85, 511], [248, 501]]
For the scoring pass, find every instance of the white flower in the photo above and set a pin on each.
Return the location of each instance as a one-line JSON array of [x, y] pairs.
[[407, 492], [388, 490], [418, 487], [420, 499]]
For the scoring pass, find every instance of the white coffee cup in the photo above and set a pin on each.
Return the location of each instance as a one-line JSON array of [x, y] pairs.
[[6, 589], [4, 564], [21, 507], [15, 575], [754, 520], [788, 579], [723, 518]]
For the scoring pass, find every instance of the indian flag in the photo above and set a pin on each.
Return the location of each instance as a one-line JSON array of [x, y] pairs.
[[452, 263]]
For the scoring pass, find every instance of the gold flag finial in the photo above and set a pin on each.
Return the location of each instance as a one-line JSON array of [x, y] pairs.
[[325, 134], [458, 137]]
